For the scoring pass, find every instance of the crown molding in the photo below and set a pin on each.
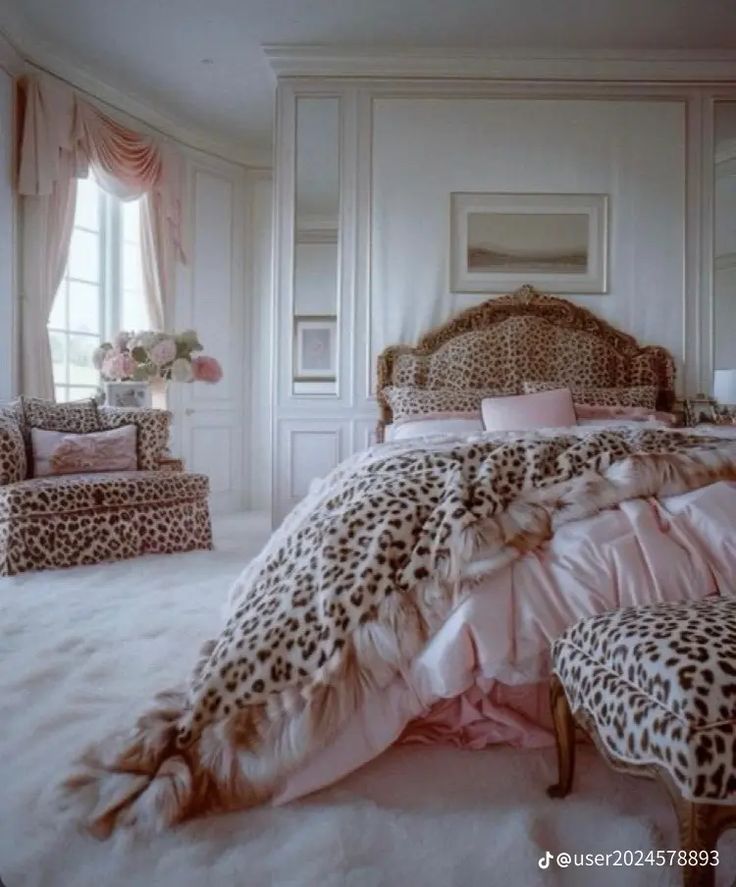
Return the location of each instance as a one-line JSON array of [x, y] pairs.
[[11, 60], [293, 60], [28, 53]]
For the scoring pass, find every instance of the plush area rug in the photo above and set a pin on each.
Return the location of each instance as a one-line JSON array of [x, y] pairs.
[[83, 650]]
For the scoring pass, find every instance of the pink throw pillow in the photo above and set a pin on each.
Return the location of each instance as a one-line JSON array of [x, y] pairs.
[[59, 452], [526, 412]]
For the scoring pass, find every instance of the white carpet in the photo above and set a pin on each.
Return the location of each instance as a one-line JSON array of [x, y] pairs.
[[83, 650]]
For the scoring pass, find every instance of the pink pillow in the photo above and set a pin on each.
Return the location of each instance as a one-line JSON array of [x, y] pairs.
[[525, 412], [59, 452]]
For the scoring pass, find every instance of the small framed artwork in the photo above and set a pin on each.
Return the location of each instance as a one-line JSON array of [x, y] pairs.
[[556, 242], [699, 410], [128, 394], [315, 348]]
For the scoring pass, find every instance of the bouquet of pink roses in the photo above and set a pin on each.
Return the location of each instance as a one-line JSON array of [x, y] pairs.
[[148, 355]]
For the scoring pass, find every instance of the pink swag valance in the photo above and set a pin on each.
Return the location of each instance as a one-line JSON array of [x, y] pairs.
[[55, 121], [63, 137]]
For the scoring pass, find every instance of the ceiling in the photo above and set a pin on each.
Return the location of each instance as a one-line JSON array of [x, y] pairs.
[[200, 61]]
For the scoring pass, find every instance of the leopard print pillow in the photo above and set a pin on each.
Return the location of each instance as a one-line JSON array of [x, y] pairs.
[[410, 401], [78, 416], [13, 410], [635, 396], [13, 462], [153, 431]]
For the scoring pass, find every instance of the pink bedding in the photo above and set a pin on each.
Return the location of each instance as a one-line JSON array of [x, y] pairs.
[[482, 678]]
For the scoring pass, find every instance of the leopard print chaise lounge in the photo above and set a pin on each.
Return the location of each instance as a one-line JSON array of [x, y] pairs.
[[655, 688], [88, 518]]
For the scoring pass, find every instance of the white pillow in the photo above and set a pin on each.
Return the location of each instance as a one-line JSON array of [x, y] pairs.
[[621, 423], [435, 423], [528, 412]]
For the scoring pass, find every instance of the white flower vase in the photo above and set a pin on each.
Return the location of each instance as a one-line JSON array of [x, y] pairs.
[[159, 393]]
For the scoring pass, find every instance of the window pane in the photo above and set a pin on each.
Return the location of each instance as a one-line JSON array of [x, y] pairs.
[[84, 256], [84, 307], [58, 356], [132, 221], [134, 315], [87, 210], [81, 371], [57, 318], [61, 394], [80, 393], [132, 270]]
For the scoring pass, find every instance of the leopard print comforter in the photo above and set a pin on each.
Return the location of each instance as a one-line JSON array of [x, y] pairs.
[[355, 582]]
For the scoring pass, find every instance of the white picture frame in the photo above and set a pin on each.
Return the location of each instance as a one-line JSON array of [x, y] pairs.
[[315, 349], [556, 242], [128, 394]]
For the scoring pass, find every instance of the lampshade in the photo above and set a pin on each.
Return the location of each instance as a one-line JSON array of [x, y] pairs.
[[724, 386]]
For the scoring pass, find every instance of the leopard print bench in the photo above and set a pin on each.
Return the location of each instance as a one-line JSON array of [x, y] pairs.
[[78, 519], [655, 688]]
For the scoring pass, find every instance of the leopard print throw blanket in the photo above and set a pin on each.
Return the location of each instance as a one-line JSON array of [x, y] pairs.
[[349, 590]]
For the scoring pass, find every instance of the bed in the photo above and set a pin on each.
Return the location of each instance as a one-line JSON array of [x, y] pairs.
[[413, 595]]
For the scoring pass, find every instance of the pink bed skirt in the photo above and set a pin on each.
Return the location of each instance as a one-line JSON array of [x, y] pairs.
[[518, 716], [482, 679]]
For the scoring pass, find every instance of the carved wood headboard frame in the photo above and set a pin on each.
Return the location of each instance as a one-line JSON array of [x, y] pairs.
[[528, 301]]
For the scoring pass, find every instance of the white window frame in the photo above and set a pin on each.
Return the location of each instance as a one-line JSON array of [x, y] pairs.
[[111, 288]]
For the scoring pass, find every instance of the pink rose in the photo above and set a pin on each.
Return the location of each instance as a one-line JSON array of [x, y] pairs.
[[206, 369], [128, 365], [163, 352], [118, 366]]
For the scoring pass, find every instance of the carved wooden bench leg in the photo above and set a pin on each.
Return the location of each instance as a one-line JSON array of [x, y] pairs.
[[565, 732], [700, 827]]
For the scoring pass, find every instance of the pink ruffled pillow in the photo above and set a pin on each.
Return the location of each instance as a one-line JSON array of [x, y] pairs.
[[527, 412], [59, 452]]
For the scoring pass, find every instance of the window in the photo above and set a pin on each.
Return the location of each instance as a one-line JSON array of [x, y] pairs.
[[101, 291]]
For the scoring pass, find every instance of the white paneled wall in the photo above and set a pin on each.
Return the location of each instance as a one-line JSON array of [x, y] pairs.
[[260, 335], [315, 278], [633, 151], [212, 294], [8, 306]]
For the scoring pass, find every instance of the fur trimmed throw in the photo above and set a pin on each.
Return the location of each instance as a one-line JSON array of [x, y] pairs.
[[347, 592]]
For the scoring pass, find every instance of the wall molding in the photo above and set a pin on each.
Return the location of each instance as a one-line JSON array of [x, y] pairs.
[[295, 60], [24, 52], [696, 309], [316, 235]]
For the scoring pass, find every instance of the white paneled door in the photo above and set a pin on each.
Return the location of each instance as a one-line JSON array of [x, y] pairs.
[[209, 428]]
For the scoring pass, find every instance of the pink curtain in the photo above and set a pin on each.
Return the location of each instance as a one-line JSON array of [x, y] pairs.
[[47, 219], [130, 165], [63, 136], [47, 225]]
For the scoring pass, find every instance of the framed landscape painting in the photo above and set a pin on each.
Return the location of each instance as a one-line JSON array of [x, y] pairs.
[[556, 242]]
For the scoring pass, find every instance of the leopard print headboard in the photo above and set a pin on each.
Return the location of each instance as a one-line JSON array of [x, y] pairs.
[[525, 335]]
